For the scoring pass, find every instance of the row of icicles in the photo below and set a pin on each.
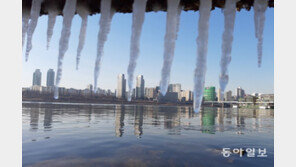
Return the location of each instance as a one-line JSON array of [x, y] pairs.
[[30, 19]]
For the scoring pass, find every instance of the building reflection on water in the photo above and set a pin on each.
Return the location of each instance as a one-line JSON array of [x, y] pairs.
[[119, 120], [34, 118], [208, 120], [152, 113], [138, 123], [172, 119], [47, 119], [220, 119], [240, 120]]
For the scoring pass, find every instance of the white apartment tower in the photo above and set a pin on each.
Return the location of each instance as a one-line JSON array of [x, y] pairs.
[[140, 87], [121, 86]]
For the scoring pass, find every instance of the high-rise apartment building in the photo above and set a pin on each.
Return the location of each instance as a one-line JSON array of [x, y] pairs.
[[185, 95], [181, 96], [228, 96], [121, 86], [170, 88], [157, 89], [89, 87], [50, 78], [150, 93], [140, 87], [188, 95], [240, 93], [134, 93], [37, 77], [174, 88], [177, 88], [219, 95]]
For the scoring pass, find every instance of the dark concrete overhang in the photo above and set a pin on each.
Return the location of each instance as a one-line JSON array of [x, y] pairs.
[[125, 6]]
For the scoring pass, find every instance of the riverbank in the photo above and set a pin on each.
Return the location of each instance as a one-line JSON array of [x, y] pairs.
[[97, 100]]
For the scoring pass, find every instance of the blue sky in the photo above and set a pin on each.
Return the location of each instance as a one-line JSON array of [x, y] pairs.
[[243, 70]]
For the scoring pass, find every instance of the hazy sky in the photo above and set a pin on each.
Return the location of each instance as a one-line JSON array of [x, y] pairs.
[[243, 70]]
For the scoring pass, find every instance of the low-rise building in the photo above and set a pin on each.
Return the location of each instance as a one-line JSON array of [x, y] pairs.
[[73, 91], [266, 98]]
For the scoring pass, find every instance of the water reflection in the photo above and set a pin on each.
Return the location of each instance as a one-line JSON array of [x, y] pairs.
[[47, 119], [240, 120], [135, 135], [173, 119], [89, 113], [220, 119], [153, 115], [119, 120], [34, 118], [208, 120], [138, 130]]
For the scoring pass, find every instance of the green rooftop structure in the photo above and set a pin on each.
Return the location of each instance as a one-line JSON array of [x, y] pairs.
[[209, 93]]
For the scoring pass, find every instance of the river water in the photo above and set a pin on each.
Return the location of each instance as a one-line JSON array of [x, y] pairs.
[[128, 135]]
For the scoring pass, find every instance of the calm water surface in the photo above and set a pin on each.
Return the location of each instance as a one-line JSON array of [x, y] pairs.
[[127, 135]]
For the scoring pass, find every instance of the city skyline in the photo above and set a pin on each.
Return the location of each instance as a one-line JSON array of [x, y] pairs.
[[140, 91], [243, 68]]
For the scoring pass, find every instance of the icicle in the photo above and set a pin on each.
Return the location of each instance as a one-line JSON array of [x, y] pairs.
[[139, 7], [83, 13], [202, 49], [25, 20], [105, 24], [259, 19], [35, 11], [52, 14], [68, 13], [178, 19], [173, 12], [227, 38]]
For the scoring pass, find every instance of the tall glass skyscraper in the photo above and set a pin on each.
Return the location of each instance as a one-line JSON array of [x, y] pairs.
[[240, 93], [174, 88], [50, 78], [140, 87], [37, 77]]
